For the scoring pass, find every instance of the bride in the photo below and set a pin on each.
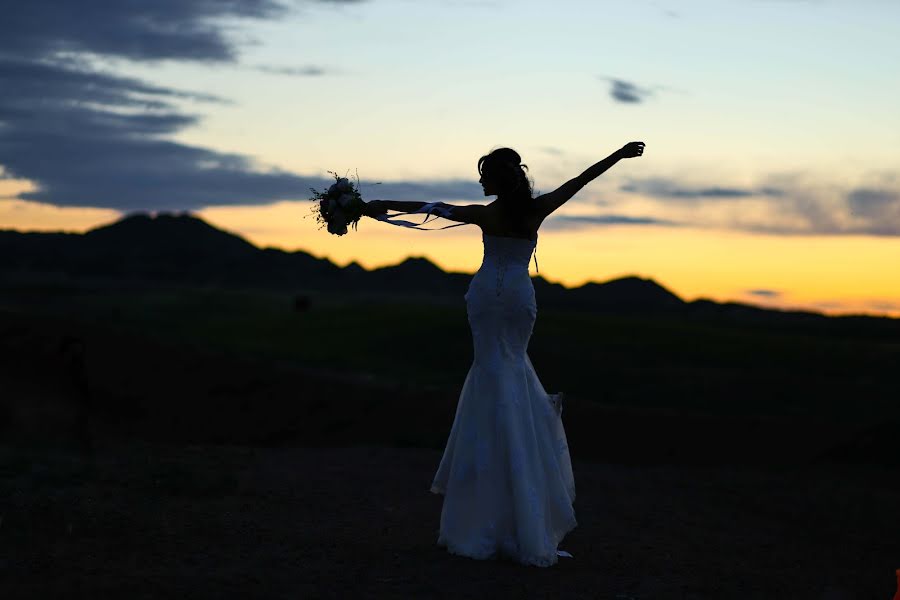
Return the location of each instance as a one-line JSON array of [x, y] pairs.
[[506, 474]]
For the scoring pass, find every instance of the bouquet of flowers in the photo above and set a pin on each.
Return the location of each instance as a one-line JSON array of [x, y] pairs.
[[339, 206]]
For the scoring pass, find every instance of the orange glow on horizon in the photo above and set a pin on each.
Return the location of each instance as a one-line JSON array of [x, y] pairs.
[[22, 215], [828, 274]]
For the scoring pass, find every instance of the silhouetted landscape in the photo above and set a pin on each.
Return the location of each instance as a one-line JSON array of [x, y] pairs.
[[167, 384], [182, 248]]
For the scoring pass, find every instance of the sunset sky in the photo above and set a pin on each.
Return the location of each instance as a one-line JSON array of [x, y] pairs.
[[771, 173]]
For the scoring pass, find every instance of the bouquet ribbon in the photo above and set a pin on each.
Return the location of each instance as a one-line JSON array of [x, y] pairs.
[[436, 209]]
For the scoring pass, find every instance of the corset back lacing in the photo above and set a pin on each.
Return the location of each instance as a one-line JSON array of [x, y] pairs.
[[501, 268]]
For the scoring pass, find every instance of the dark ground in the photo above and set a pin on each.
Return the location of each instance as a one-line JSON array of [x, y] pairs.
[[242, 450], [165, 521]]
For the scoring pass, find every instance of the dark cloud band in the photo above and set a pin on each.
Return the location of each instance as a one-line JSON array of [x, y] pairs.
[[667, 188], [90, 138], [793, 207], [161, 29], [577, 221]]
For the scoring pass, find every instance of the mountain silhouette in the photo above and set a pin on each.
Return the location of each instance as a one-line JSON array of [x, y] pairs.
[[626, 294], [183, 248], [165, 247], [168, 235]]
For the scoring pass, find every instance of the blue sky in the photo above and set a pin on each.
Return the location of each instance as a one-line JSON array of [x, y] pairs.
[[745, 86], [727, 93], [766, 118]]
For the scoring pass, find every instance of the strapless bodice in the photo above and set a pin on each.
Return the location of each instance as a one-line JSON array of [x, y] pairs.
[[508, 252], [505, 262]]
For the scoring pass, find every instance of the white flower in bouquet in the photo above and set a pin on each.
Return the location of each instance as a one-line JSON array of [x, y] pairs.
[[341, 205]]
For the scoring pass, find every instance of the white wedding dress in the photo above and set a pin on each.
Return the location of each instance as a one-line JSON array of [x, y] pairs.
[[506, 474]]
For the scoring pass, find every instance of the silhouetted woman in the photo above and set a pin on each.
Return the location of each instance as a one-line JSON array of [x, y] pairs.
[[506, 474]]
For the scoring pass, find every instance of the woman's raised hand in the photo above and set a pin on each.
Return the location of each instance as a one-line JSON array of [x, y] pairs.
[[631, 150]]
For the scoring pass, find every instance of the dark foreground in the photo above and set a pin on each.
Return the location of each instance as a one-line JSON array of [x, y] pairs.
[[168, 521]]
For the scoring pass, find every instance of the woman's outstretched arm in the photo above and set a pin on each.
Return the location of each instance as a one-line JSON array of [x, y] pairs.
[[464, 214], [375, 208], [403, 205], [549, 202]]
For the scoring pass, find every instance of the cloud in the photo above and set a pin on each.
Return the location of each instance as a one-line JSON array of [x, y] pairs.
[[162, 29], [87, 137], [626, 91], [875, 204], [668, 188], [623, 91], [786, 205], [152, 30], [100, 140], [94, 139], [885, 305], [837, 211], [307, 71], [32, 83], [764, 293], [578, 221]]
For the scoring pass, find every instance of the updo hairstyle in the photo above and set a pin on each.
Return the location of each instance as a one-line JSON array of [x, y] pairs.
[[504, 166]]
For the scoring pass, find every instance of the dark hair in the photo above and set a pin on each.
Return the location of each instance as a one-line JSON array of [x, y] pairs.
[[515, 190]]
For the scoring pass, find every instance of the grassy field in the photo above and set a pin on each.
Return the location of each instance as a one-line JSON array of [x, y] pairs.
[[613, 360]]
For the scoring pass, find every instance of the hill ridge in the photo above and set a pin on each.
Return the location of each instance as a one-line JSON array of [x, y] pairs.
[[183, 247]]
